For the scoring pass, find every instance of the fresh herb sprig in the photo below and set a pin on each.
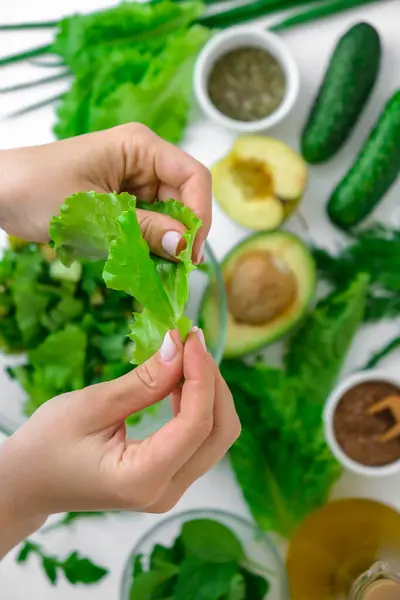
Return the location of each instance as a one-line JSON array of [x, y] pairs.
[[206, 560], [375, 251], [75, 568]]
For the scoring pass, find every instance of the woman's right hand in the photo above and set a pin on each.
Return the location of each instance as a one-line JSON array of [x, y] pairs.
[[73, 453]]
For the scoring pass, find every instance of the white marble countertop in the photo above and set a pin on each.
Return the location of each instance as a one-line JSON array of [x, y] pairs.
[[109, 540]]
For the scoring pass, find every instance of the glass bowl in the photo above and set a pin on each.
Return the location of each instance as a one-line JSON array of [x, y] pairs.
[[12, 396], [257, 545]]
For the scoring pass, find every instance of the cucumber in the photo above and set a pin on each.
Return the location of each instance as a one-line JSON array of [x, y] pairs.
[[348, 82], [373, 172]]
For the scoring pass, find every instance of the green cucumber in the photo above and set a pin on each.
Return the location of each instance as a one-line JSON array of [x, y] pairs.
[[375, 169], [348, 82]]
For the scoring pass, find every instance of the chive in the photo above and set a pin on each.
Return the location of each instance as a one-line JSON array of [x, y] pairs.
[[13, 58], [246, 12], [47, 64], [382, 353], [37, 82], [34, 107], [38, 25], [319, 12]]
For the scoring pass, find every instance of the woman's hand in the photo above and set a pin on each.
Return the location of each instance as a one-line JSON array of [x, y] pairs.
[[36, 180], [73, 453]]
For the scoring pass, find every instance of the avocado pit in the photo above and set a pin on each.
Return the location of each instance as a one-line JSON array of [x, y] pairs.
[[260, 289]]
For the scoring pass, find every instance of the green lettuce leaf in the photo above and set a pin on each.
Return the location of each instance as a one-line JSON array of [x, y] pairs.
[[158, 96], [281, 460], [83, 40], [93, 226]]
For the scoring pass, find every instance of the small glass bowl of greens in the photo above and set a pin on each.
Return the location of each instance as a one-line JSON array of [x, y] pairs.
[[42, 302], [202, 554]]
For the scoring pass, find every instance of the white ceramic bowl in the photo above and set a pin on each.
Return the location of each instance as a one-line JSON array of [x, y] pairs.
[[236, 37], [329, 411]]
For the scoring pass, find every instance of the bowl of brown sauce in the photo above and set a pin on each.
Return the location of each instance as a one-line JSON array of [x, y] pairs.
[[246, 79], [361, 422]]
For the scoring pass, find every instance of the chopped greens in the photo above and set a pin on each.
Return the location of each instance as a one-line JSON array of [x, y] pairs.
[[93, 226], [206, 562], [281, 460]]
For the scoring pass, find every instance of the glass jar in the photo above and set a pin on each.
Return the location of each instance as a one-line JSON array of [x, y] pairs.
[[380, 582]]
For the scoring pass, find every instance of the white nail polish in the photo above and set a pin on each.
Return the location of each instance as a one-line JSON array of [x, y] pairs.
[[168, 348], [200, 253], [200, 335], [170, 242]]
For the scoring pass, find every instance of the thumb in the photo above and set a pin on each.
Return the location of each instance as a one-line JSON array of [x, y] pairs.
[[163, 234], [110, 403]]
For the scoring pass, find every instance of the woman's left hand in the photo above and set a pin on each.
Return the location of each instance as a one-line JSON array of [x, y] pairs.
[[36, 180]]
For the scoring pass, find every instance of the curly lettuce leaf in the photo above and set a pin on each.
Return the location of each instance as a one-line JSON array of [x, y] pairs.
[[92, 226], [281, 460], [86, 225], [83, 40], [158, 96]]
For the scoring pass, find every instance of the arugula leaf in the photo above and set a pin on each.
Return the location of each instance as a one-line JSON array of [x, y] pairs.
[[93, 226], [197, 534], [200, 580], [256, 586], [76, 569], [281, 460]]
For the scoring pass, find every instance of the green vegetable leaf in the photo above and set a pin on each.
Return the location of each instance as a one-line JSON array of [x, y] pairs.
[[145, 585], [281, 459], [376, 252], [85, 40], [159, 92], [211, 541], [200, 580], [82, 570], [86, 225], [237, 589], [56, 366], [50, 568], [27, 549], [256, 586], [93, 225]]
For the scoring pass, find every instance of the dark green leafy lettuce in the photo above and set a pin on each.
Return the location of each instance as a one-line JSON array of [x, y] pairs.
[[281, 460], [94, 226]]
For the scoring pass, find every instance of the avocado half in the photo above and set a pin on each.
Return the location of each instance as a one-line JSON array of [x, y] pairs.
[[270, 279], [260, 182]]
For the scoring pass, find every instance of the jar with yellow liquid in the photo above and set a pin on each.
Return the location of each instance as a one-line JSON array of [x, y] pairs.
[[347, 550]]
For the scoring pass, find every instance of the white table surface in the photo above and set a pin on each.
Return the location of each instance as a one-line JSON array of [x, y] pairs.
[[109, 540]]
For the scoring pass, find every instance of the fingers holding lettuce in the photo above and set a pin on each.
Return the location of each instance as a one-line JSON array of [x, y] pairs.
[[129, 158], [73, 454]]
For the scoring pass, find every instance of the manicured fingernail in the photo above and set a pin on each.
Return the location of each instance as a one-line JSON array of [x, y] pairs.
[[200, 335], [170, 242], [168, 349], [200, 254]]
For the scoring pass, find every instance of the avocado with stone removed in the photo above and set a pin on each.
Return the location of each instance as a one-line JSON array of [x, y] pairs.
[[260, 182], [270, 281]]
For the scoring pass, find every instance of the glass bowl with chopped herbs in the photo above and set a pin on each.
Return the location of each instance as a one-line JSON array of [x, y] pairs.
[[62, 329], [204, 554]]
